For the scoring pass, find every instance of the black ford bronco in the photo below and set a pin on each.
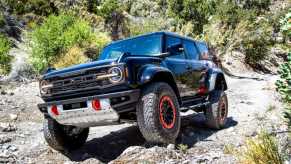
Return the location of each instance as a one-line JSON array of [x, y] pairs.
[[150, 79]]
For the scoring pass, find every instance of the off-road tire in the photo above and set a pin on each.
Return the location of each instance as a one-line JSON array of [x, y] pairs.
[[149, 114], [216, 112], [58, 139]]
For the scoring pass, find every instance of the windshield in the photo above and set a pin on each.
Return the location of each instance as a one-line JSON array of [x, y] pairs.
[[145, 45]]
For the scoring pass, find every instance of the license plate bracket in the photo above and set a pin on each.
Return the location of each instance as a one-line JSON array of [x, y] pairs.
[[73, 106]]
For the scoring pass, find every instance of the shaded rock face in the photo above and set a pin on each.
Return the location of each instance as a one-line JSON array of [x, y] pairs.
[[12, 27], [275, 57], [21, 69], [234, 62]]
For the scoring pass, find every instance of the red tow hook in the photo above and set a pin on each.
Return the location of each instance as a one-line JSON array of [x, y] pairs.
[[54, 110], [96, 105]]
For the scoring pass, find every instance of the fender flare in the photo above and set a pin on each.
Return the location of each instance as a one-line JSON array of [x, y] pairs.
[[215, 75], [150, 73]]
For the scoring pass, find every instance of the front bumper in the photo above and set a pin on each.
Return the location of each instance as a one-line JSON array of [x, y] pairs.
[[86, 116]]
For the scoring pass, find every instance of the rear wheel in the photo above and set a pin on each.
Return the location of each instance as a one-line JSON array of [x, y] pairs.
[[158, 115], [64, 137], [216, 112]]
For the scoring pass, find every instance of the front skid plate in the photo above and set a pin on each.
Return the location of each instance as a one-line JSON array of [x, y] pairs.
[[86, 117]]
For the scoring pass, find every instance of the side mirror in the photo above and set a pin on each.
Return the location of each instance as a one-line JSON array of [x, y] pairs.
[[176, 48]]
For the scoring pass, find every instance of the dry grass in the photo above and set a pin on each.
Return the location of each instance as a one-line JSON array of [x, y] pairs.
[[229, 149], [262, 149], [75, 55], [183, 148]]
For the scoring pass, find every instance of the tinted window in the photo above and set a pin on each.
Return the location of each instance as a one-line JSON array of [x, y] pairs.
[[191, 50], [170, 41], [146, 45]]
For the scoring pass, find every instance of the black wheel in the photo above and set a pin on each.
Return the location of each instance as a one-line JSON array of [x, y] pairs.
[[216, 112], [63, 137], [158, 115]]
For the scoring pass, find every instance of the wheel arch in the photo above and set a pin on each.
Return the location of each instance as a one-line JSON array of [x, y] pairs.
[[152, 74], [217, 80]]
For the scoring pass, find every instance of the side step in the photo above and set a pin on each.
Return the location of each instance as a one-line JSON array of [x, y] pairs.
[[196, 107]]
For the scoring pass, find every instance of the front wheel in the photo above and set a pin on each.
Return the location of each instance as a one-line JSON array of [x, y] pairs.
[[158, 115], [216, 112], [64, 137]]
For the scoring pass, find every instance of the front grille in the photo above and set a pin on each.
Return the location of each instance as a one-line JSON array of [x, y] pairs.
[[79, 86], [79, 81]]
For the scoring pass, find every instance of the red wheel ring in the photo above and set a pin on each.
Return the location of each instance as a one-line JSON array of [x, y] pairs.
[[167, 112]]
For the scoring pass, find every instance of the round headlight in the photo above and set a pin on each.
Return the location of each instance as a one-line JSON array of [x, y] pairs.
[[44, 86], [116, 74]]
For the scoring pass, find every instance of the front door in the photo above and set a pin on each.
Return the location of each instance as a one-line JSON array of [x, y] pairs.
[[177, 63], [197, 68]]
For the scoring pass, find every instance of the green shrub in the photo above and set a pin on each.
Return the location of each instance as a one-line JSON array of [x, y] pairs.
[[5, 59], [146, 26], [108, 7], [92, 5], [258, 5], [255, 50], [75, 55], [286, 24], [198, 12], [48, 40], [38, 7], [284, 87], [100, 41], [284, 84], [57, 35], [228, 13], [257, 41], [231, 14], [144, 8], [79, 33]]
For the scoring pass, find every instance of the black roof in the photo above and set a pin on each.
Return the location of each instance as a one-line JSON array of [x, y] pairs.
[[158, 32]]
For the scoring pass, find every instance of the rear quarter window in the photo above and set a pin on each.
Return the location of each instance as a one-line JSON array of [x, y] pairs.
[[202, 47], [191, 50], [203, 50]]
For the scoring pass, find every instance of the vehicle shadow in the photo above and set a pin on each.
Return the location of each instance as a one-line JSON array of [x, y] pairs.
[[194, 129], [109, 147]]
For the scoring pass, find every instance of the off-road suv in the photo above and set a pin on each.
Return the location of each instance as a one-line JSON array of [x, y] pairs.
[[150, 79]]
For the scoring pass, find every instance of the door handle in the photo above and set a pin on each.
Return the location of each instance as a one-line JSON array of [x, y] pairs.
[[188, 67]]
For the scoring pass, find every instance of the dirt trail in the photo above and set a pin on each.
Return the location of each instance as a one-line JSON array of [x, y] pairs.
[[253, 105]]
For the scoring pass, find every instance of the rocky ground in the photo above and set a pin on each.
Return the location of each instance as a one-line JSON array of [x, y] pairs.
[[253, 105]]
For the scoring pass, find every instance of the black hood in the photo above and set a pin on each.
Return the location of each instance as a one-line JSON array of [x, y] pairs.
[[78, 67]]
